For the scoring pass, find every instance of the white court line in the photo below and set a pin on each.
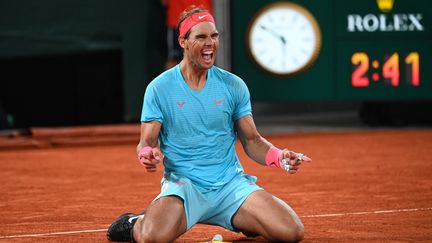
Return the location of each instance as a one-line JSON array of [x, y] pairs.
[[53, 233], [306, 216], [370, 212]]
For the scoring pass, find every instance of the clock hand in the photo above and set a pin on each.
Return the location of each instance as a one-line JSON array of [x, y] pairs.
[[282, 39], [274, 33]]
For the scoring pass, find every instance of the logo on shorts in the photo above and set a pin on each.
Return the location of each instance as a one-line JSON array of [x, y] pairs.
[[180, 183]]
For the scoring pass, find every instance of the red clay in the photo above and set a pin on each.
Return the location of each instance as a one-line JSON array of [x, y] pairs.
[[368, 186]]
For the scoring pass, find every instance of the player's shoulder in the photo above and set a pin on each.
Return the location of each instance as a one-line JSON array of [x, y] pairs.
[[165, 78], [227, 76]]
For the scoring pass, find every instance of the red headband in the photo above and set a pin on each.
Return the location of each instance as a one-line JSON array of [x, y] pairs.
[[193, 20]]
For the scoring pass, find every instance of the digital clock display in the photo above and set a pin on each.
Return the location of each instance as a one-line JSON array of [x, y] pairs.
[[381, 70], [366, 70], [383, 50]]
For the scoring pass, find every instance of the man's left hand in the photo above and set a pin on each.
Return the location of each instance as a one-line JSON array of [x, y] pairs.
[[291, 161]]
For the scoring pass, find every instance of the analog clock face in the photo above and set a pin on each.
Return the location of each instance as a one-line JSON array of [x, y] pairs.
[[284, 38]]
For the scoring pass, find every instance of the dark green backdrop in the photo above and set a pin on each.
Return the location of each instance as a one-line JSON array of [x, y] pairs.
[[78, 62], [84, 62], [330, 76]]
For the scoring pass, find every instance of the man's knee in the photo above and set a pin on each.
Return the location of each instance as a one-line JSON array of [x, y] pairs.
[[164, 221], [290, 233], [148, 233], [296, 233]]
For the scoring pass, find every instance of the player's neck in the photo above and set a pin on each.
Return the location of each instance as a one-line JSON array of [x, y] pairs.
[[193, 76]]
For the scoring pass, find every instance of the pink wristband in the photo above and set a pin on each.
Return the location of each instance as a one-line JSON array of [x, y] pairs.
[[273, 157], [142, 151]]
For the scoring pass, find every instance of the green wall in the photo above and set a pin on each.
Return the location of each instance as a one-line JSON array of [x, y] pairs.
[[330, 77], [53, 28]]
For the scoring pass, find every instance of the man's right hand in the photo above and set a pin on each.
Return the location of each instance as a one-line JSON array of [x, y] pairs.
[[150, 158]]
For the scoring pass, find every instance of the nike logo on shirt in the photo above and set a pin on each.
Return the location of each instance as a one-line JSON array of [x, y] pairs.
[[218, 102], [180, 104]]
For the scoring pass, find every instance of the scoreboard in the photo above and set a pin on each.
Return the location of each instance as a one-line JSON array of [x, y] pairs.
[[369, 50]]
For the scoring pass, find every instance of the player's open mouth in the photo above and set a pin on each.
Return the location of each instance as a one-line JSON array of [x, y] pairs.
[[207, 55]]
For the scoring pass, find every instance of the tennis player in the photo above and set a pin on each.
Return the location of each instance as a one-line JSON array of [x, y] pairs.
[[191, 118]]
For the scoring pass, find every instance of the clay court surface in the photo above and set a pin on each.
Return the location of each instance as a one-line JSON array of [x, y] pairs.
[[67, 185]]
